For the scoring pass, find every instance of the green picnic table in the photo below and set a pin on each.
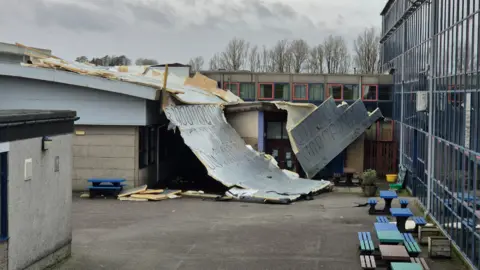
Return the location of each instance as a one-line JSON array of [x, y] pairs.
[[389, 237], [406, 266]]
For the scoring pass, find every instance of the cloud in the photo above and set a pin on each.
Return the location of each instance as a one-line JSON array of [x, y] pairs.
[[159, 14]]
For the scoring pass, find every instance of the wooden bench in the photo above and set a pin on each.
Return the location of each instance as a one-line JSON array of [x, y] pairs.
[[411, 245], [366, 244], [367, 262], [420, 261], [372, 202], [403, 203], [382, 219]]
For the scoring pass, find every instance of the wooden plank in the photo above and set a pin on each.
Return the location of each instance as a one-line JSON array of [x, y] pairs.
[[372, 260], [152, 191], [131, 191], [439, 246], [132, 199], [425, 232], [150, 197], [362, 262], [367, 262]]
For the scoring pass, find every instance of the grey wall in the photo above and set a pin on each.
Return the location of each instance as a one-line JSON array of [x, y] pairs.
[[39, 210], [94, 107]]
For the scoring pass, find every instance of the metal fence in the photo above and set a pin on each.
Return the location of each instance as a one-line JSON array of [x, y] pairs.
[[432, 47]]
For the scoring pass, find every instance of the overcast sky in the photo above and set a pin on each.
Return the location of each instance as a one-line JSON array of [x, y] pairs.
[[176, 30]]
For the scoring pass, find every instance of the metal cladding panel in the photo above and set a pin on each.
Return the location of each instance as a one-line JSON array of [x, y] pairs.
[[321, 143], [227, 159]]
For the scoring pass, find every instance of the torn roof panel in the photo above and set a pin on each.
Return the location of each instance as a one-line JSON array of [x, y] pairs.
[[228, 160]]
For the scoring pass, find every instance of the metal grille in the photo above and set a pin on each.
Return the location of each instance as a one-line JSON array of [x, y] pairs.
[[433, 47]]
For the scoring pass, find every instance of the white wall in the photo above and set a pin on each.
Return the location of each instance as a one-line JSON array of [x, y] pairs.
[[39, 210], [246, 125], [94, 107]]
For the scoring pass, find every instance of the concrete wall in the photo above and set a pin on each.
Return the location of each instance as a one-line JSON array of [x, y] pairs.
[[39, 209], [297, 78], [107, 152], [94, 107], [246, 125]]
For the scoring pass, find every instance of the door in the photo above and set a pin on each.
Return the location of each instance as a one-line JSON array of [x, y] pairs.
[[278, 146]]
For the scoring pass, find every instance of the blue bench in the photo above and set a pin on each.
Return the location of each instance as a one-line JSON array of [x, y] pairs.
[[372, 202], [411, 245], [403, 203], [419, 222], [382, 219], [105, 186], [366, 243]]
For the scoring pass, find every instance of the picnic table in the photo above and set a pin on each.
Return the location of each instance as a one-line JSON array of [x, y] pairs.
[[389, 237], [105, 186], [401, 214], [385, 227], [405, 266], [394, 253], [388, 196]]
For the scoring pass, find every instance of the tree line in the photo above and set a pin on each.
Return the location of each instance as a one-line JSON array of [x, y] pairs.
[[286, 56], [297, 56]]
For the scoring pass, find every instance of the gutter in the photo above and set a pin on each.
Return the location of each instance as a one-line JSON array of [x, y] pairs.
[[31, 122]]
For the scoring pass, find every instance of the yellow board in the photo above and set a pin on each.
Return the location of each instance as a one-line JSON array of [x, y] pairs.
[[152, 191], [151, 197]]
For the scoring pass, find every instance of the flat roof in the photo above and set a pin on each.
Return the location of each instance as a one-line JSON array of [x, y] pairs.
[[21, 116], [291, 73]]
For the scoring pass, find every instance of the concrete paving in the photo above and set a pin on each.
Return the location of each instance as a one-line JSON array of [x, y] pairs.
[[196, 234]]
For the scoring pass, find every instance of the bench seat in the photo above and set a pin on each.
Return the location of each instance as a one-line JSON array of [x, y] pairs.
[[403, 203], [420, 261], [366, 243], [367, 262], [382, 219], [411, 245]]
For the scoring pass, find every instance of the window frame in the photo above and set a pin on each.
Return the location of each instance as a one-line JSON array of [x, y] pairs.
[[376, 92], [259, 91], [327, 93], [355, 87], [254, 91], [225, 84], [293, 91]]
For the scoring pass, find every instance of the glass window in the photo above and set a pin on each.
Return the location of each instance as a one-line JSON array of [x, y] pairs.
[[282, 91], [274, 130], [233, 87], [300, 91], [266, 91], [385, 92], [350, 91], [369, 92], [247, 91], [315, 91], [335, 91]]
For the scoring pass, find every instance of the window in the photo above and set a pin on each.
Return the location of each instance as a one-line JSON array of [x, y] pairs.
[[265, 91], [3, 196], [247, 91], [147, 143], [277, 130], [233, 87], [282, 91], [335, 90], [370, 92], [300, 91], [350, 91], [385, 92], [315, 91]]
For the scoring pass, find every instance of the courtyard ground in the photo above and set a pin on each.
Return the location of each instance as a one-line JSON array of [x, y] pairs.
[[196, 234]]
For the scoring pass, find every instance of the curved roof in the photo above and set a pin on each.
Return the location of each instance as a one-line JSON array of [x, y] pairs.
[[70, 78]]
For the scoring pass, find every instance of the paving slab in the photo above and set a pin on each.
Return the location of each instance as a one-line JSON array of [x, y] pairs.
[[201, 234]]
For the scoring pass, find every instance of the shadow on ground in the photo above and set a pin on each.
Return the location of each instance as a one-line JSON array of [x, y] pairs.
[[195, 234]]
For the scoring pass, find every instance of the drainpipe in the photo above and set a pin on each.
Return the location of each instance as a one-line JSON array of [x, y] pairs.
[[430, 73]]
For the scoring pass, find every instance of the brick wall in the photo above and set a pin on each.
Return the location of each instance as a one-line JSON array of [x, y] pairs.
[[105, 152]]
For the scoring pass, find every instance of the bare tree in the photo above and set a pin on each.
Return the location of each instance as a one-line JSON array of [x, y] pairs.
[[254, 59], [196, 64], [366, 48], [280, 56], [299, 51], [235, 54], [267, 64], [215, 62], [337, 58], [146, 62], [316, 59]]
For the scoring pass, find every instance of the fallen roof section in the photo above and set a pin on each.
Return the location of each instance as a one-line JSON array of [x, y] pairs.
[[228, 160]]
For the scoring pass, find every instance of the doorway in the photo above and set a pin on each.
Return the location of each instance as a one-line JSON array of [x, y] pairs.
[[278, 146]]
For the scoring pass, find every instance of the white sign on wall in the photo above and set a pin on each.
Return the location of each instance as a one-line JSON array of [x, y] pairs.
[[422, 101]]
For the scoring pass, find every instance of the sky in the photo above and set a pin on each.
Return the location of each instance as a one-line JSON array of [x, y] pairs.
[[177, 30]]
